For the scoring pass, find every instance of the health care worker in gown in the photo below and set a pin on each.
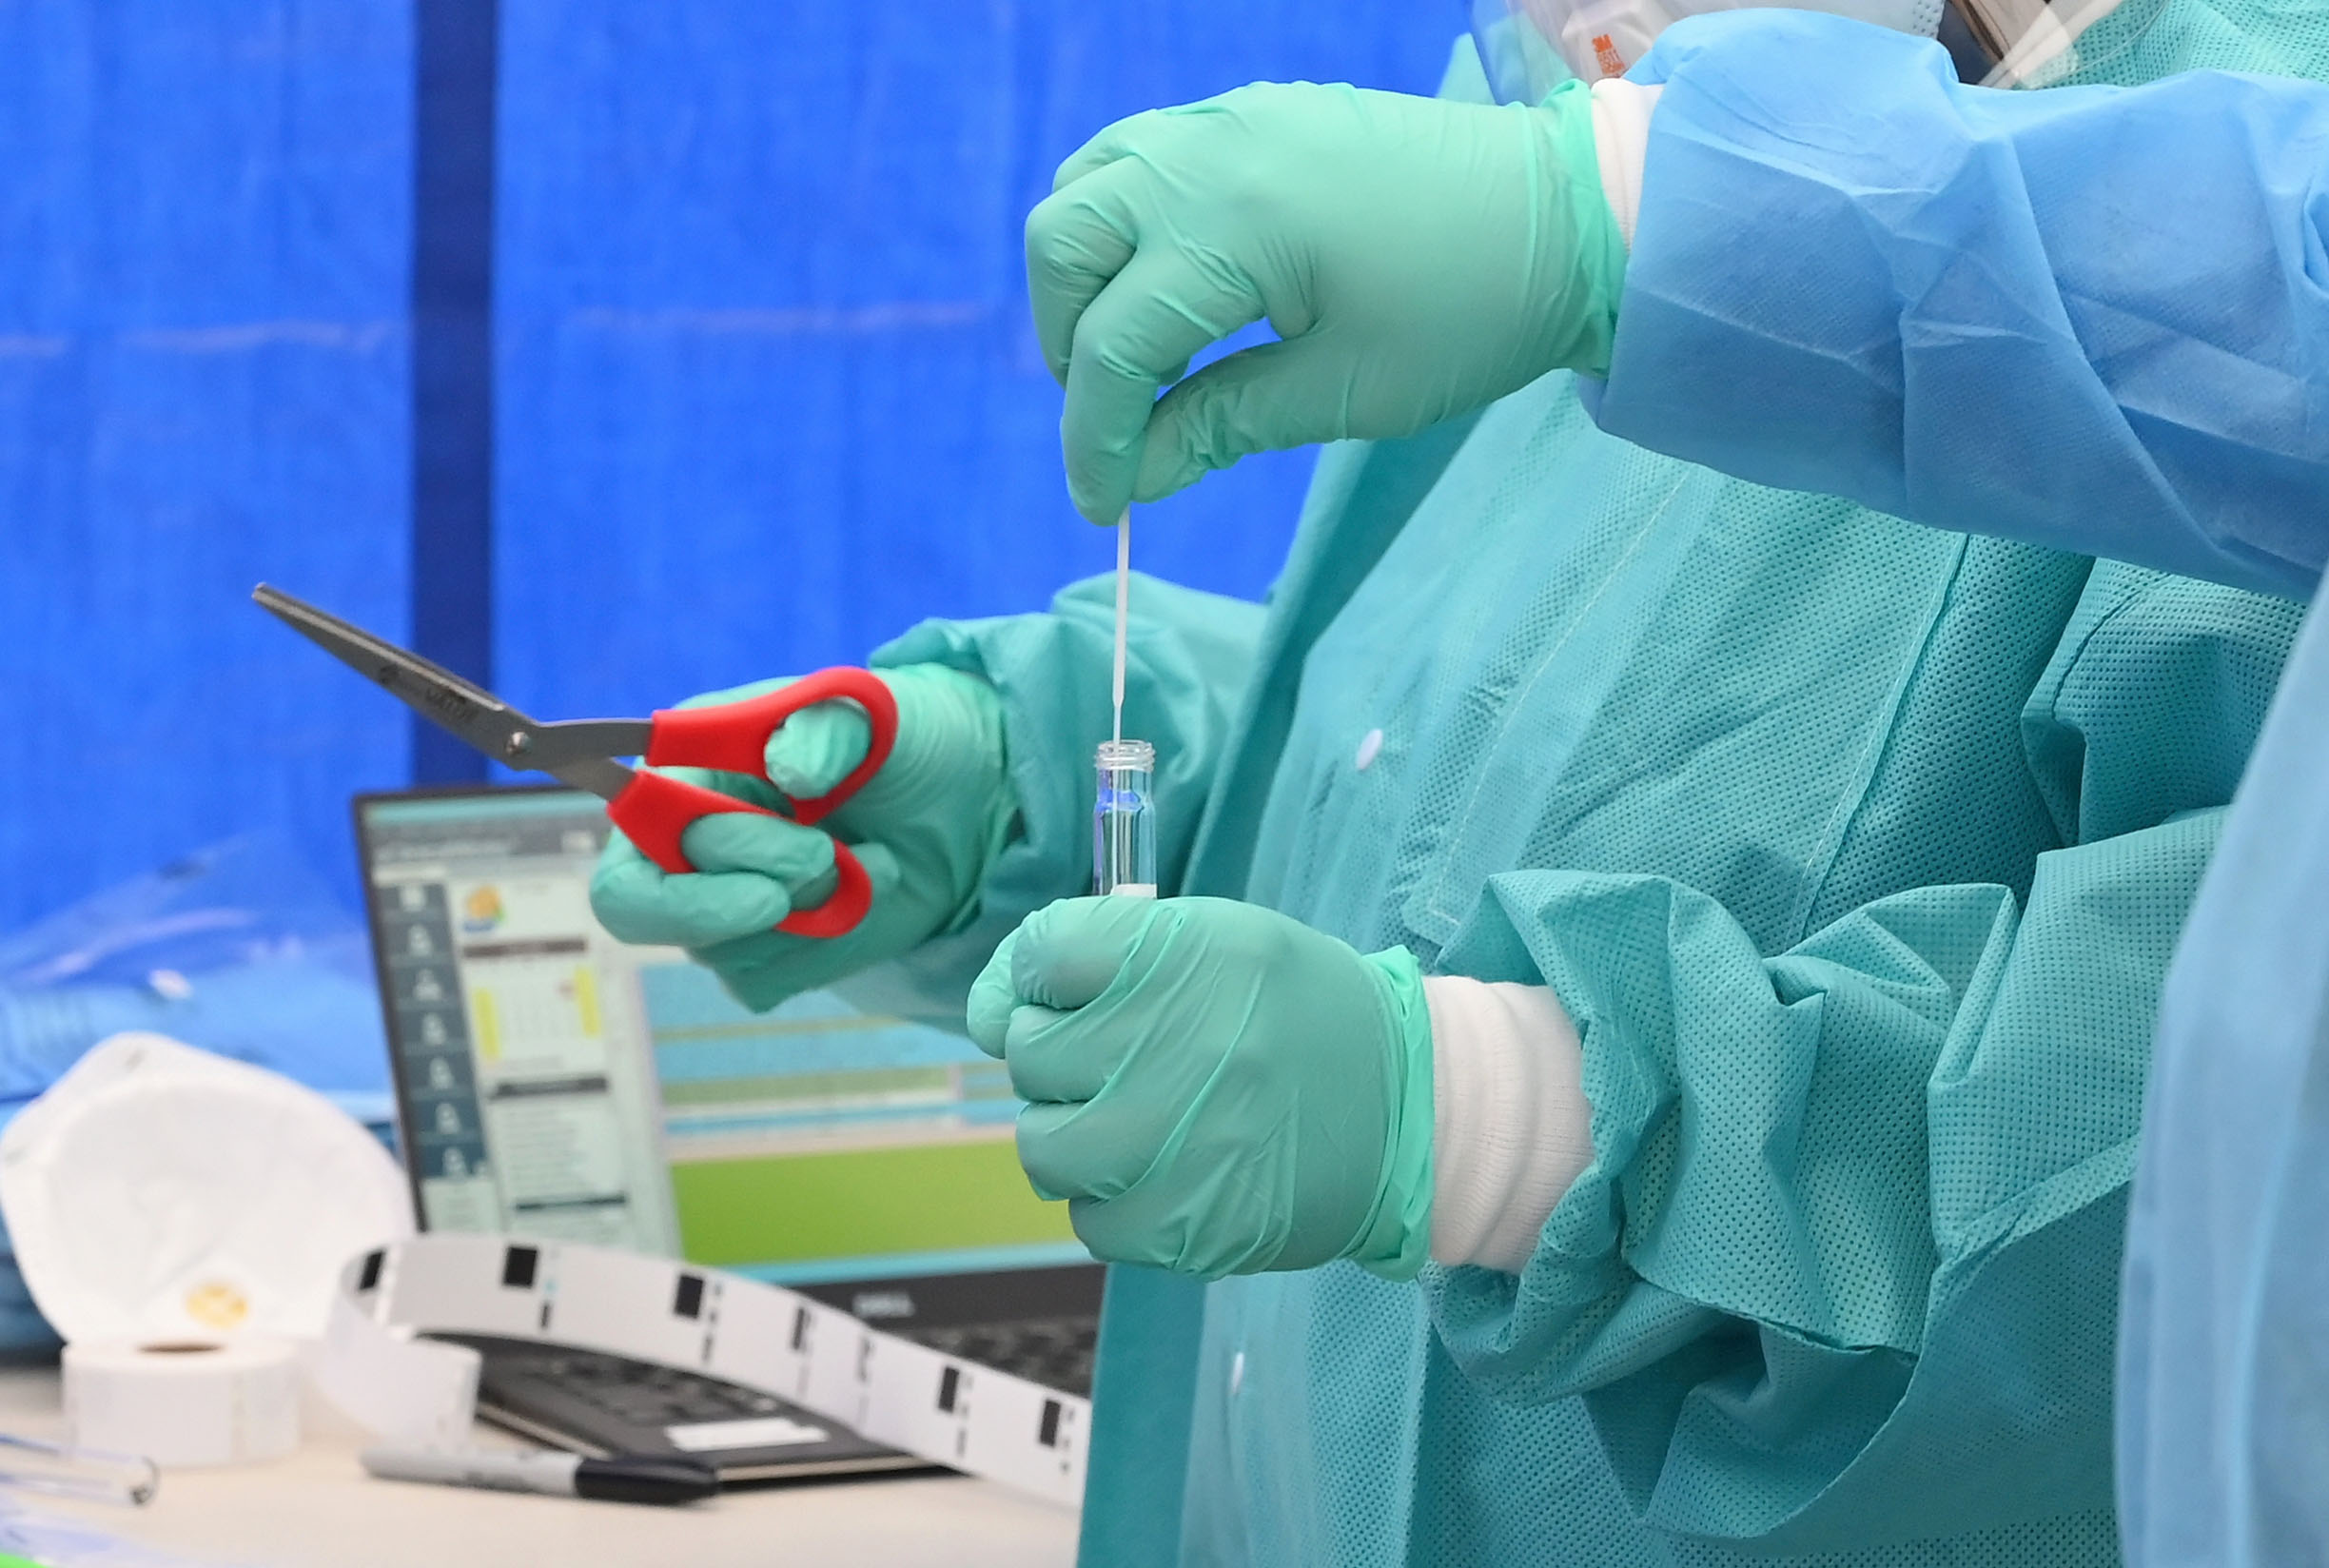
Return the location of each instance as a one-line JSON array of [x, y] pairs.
[[1648, 1039]]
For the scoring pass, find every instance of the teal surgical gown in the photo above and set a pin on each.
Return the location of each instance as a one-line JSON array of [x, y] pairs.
[[2097, 319], [1857, 851]]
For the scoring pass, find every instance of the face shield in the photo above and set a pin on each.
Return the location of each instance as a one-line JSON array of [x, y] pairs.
[[1529, 47]]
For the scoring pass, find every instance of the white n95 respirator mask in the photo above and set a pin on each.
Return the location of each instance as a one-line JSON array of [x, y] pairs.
[[158, 1193], [184, 1220]]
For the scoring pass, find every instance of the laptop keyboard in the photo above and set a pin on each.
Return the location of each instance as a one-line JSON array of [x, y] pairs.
[[637, 1392], [1056, 1352]]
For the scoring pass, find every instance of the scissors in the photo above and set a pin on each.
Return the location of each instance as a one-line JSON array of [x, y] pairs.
[[653, 809]]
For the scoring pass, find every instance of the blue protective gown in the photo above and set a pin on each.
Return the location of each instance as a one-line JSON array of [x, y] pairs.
[[2100, 317], [1856, 849], [2092, 317]]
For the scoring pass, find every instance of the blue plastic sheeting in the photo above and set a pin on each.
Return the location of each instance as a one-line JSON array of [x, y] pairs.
[[768, 388], [202, 383]]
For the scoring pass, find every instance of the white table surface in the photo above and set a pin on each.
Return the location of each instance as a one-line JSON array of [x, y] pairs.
[[318, 1509]]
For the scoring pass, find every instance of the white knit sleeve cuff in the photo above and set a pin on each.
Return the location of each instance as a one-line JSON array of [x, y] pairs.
[[1621, 144], [1511, 1128]]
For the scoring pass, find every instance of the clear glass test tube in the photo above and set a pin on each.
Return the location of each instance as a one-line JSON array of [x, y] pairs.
[[1124, 821]]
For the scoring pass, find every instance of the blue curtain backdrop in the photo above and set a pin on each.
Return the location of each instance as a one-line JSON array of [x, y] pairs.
[[764, 387], [204, 242], [768, 388]]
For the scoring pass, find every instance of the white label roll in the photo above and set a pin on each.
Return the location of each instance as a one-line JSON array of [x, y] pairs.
[[184, 1403]]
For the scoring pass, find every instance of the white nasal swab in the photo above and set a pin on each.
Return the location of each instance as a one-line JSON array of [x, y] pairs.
[[1123, 602]]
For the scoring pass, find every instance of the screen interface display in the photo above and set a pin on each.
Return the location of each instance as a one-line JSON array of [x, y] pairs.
[[553, 1081]]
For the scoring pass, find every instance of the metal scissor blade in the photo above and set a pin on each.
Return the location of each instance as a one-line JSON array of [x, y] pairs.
[[473, 715], [477, 717], [603, 777]]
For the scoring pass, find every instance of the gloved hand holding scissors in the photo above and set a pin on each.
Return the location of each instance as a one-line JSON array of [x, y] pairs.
[[718, 835], [926, 826]]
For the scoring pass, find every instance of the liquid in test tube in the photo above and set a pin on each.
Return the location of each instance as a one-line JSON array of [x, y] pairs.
[[1124, 821]]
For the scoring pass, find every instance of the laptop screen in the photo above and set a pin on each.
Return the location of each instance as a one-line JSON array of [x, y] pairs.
[[554, 1082]]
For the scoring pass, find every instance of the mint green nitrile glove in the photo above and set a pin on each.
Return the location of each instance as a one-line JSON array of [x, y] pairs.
[[927, 827], [1215, 1087], [1418, 258]]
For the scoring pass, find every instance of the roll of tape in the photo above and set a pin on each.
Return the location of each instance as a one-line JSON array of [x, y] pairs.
[[184, 1403]]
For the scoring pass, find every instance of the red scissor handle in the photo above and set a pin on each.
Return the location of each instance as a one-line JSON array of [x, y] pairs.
[[733, 736], [654, 809]]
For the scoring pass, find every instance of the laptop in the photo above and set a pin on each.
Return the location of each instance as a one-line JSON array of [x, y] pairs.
[[554, 1083]]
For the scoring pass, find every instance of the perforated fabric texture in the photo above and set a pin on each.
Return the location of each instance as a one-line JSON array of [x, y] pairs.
[[2222, 1385], [1833, 1061], [1864, 1009], [2142, 44]]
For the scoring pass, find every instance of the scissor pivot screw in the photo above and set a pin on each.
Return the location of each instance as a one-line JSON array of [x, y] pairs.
[[518, 744]]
